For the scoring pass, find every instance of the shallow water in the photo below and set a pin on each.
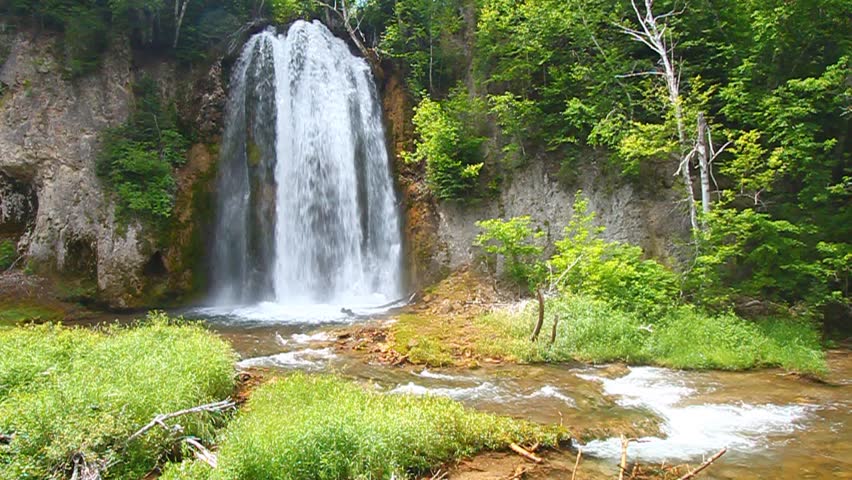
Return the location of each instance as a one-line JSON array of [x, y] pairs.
[[774, 425]]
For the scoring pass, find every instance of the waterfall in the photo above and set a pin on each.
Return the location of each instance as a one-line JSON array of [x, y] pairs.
[[306, 211]]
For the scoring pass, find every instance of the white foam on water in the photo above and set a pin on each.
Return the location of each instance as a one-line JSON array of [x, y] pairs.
[[549, 391], [690, 431], [484, 390], [299, 313], [302, 338], [438, 376], [307, 359]]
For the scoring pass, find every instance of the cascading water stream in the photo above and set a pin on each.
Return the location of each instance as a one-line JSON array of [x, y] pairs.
[[306, 212]]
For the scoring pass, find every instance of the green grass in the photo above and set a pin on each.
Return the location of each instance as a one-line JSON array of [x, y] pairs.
[[324, 427], [424, 339], [592, 330], [17, 312], [72, 391]]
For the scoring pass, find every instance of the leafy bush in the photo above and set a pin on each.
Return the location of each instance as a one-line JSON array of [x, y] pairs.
[[8, 253], [593, 330], [449, 145], [137, 158], [308, 427], [614, 271], [513, 240], [70, 391], [746, 253]]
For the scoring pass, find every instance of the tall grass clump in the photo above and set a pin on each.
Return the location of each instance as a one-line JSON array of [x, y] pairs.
[[588, 329], [318, 427], [80, 394], [594, 330]]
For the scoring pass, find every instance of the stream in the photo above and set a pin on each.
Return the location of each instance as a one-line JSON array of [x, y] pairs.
[[775, 425]]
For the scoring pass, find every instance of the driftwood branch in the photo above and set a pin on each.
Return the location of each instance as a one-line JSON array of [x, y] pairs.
[[576, 463], [85, 470], [704, 465], [160, 419], [202, 453], [525, 453], [623, 464]]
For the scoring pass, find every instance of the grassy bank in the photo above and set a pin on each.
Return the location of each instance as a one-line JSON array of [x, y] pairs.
[[591, 330], [309, 427], [14, 312], [69, 394]]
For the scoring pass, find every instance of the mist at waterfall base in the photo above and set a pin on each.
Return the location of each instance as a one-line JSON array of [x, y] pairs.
[[307, 222]]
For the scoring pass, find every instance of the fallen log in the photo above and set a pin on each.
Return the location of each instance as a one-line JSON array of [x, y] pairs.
[[161, 418], [704, 465], [524, 453]]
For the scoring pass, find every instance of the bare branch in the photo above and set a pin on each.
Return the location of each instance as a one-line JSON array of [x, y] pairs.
[[704, 465], [160, 419]]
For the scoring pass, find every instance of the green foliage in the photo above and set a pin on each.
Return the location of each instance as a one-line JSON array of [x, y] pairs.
[[594, 330], [8, 253], [307, 427], [772, 262], [423, 339], [88, 26], [586, 263], [68, 391], [137, 158], [516, 117], [19, 311], [422, 35], [285, 11], [449, 145], [85, 40], [514, 241]]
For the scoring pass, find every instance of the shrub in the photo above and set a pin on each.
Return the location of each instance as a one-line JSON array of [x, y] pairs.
[[74, 392], [614, 271], [137, 158], [308, 427], [513, 240], [449, 145]]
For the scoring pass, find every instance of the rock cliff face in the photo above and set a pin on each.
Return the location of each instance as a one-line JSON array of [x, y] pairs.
[[49, 140]]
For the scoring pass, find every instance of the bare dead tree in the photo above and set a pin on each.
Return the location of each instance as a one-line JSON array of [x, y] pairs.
[[703, 163], [654, 34], [180, 11], [351, 23]]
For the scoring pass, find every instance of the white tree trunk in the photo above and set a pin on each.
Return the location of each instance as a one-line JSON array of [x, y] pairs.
[[654, 37], [703, 163], [179, 13]]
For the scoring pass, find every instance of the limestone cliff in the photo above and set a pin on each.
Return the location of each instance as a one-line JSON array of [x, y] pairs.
[[440, 235], [49, 140]]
